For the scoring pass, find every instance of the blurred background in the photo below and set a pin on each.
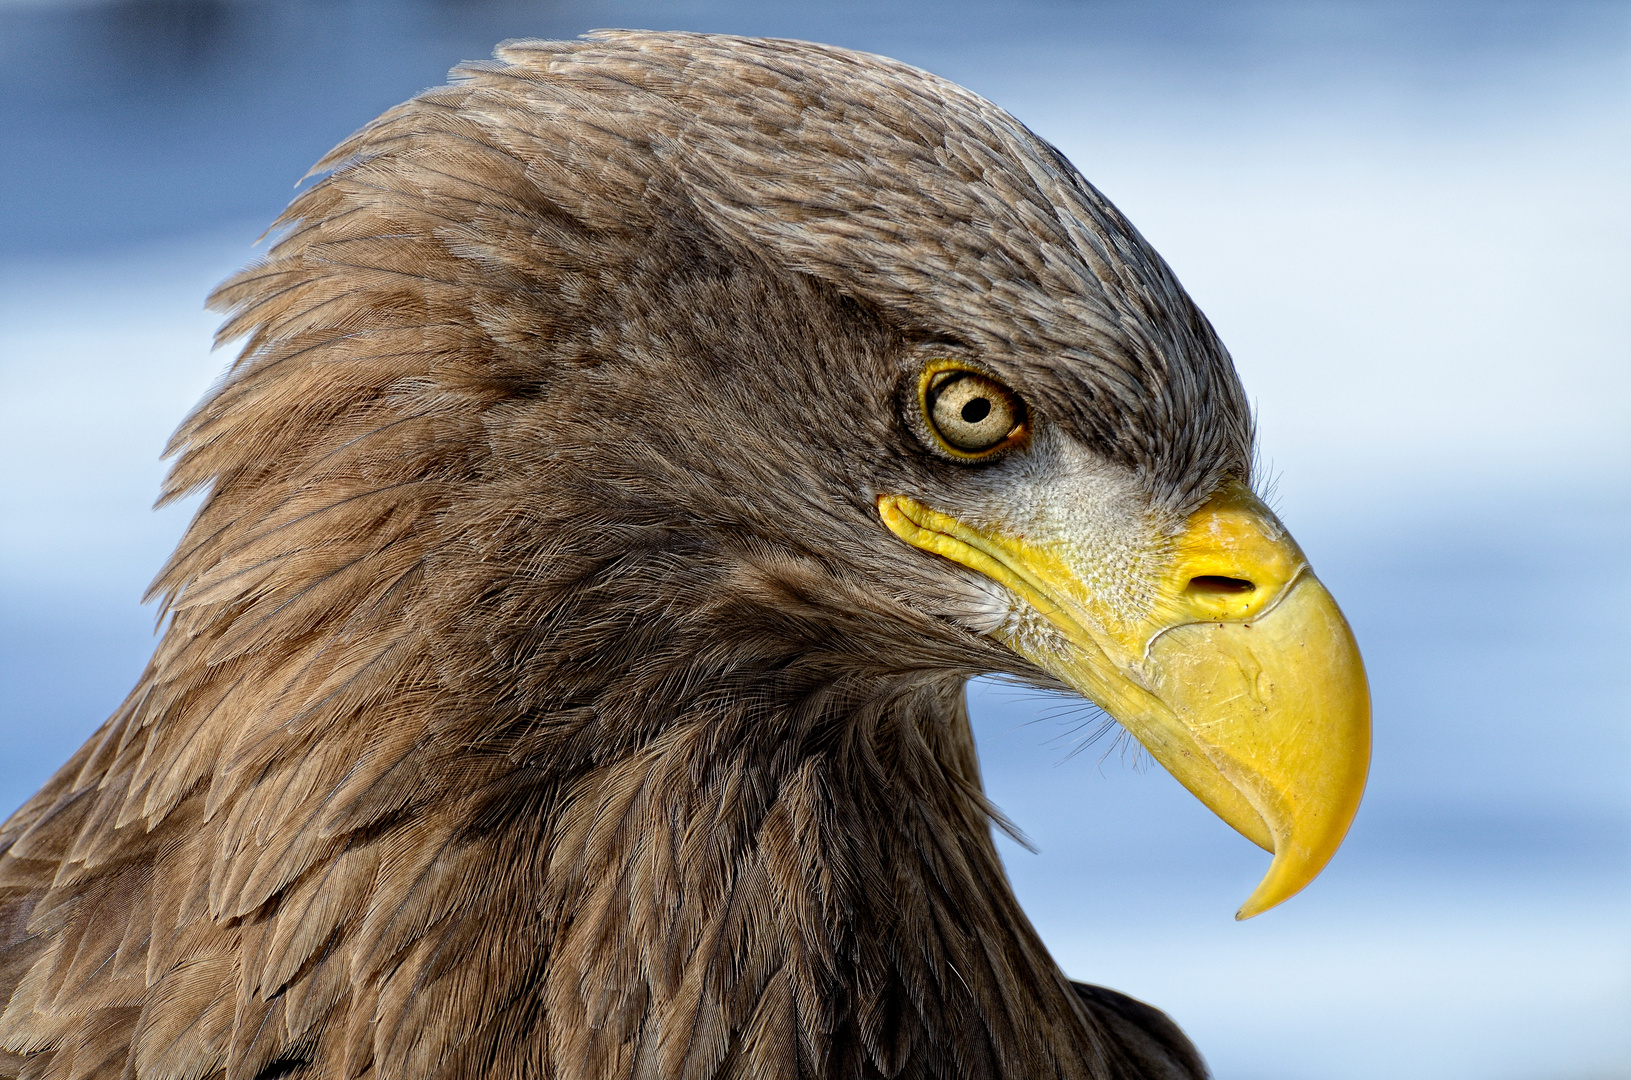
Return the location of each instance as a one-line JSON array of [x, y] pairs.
[[1409, 221]]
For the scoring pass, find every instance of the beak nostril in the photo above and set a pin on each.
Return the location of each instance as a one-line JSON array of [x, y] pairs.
[[1213, 584]]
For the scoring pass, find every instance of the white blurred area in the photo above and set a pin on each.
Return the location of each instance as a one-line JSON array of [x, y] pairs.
[[1422, 265]]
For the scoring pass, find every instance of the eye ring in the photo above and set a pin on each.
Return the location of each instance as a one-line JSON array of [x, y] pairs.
[[971, 415]]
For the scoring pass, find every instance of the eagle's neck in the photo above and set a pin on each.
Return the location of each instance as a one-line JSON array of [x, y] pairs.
[[395, 860], [826, 900]]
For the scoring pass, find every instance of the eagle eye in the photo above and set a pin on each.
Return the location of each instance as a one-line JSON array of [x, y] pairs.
[[972, 414]]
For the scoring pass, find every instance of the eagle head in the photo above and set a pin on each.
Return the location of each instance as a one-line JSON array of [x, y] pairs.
[[637, 445]]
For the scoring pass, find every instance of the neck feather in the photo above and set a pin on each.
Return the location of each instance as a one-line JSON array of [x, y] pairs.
[[790, 872], [830, 905]]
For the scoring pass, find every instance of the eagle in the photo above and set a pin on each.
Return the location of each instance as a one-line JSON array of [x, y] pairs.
[[637, 445]]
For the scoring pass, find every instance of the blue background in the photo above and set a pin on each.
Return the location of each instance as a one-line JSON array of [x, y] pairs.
[[1409, 221]]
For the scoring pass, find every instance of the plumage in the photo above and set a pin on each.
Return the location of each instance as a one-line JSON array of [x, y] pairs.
[[540, 694]]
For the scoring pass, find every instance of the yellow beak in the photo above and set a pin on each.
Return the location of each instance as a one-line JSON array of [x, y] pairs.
[[1238, 673]]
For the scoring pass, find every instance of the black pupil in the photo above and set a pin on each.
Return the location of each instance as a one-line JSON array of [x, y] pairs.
[[976, 410]]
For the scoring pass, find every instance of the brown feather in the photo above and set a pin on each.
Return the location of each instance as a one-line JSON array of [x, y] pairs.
[[539, 695]]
